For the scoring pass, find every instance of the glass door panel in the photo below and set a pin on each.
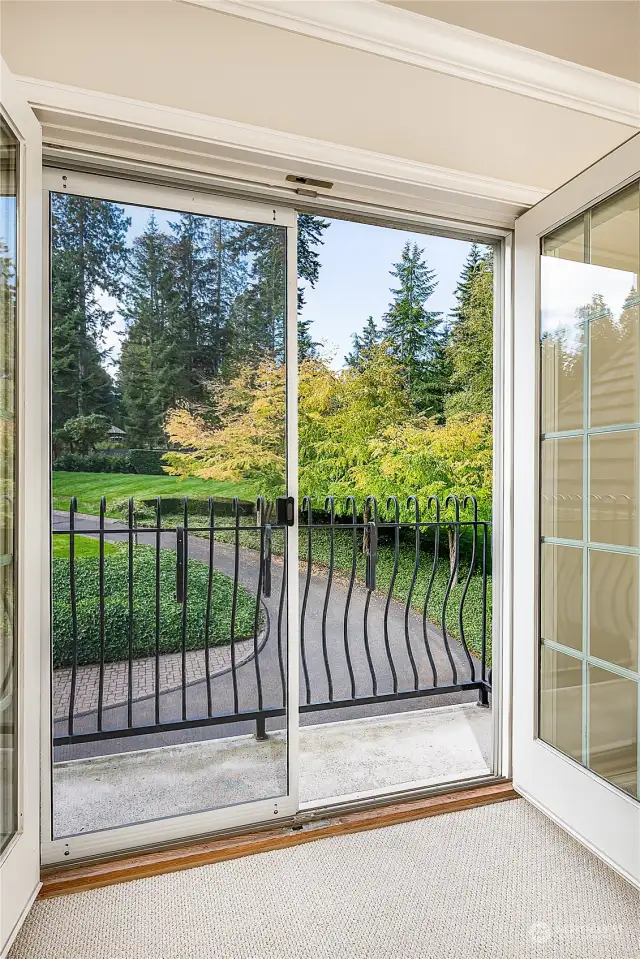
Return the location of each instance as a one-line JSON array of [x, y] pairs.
[[9, 156], [590, 464], [170, 630]]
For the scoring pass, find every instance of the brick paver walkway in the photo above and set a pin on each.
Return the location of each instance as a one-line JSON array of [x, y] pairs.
[[116, 677]]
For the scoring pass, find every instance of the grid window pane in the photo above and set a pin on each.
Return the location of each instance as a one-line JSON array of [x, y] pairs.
[[567, 242], [613, 488], [613, 607], [562, 488], [562, 595], [615, 231], [614, 365], [613, 728], [561, 702]]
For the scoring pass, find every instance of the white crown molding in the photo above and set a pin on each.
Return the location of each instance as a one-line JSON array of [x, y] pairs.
[[129, 125], [409, 37]]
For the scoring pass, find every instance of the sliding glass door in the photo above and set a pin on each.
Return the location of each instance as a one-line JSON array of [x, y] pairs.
[[173, 619]]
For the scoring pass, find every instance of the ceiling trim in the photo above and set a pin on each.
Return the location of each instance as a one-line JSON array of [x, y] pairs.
[[400, 34], [198, 141]]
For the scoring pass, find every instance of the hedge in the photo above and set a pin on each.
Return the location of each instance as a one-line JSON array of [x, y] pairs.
[[142, 462], [117, 608]]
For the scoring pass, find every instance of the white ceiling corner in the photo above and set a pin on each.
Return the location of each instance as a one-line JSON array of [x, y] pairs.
[[400, 34]]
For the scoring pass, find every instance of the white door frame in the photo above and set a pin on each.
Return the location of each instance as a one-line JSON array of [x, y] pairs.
[[232, 817], [20, 861], [595, 812]]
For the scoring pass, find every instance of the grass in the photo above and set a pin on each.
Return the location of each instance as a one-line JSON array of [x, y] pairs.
[[89, 487], [86, 547]]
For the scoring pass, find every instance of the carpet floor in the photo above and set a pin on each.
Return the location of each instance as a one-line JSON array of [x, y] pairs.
[[500, 882]]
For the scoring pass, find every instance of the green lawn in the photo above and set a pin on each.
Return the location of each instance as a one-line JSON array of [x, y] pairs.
[[85, 547], [89, 487]]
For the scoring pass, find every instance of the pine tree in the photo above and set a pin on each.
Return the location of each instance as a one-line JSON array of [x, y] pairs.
[[88, 255], [363, 345], [415, 334], [310, 232], [153, 376], [473, 265], [470, 347]]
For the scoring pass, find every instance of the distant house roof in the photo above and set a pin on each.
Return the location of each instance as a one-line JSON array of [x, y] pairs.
[[115, 431]]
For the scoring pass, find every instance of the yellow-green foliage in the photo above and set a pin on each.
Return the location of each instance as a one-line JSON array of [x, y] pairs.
[[358, 434]]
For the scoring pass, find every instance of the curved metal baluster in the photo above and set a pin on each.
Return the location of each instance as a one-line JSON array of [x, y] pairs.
[[261, 511], [306, 504], [281, 611], [354, 550], [185, 608], [485, 541], [396, 554], [103, 508], [131, 518], [465, 589], [157, 611], [433, 500], [371, 508], [207, 617], [416, 564], [452, 575], [234, 600], [73, 506], [330, 505]]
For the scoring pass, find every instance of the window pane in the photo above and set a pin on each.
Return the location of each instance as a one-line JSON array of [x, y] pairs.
[[561, 702], [613, 490], [615, 231], [613, 610], [566, 243], [8, 682], [562, 341], [562, 595], [614, 362], [562, 488], [613, 728]]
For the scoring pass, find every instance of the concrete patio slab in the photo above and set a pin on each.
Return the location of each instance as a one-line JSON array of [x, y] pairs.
[[429, 746]]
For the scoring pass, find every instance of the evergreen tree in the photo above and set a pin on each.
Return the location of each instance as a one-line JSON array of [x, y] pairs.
[[470, 347], [88, 255], [153, 375], [415, 334], [363, 345], [310, 232], [473, 265]]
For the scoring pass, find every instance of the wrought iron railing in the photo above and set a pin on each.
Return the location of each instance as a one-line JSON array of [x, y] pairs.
[[391, 609]]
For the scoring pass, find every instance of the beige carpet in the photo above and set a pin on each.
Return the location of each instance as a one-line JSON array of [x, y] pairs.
[[500, 882]]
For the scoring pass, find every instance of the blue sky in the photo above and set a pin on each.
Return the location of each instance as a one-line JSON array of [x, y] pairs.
[[354, 278]]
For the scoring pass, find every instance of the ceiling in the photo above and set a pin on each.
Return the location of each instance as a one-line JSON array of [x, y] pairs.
[[602, 34]]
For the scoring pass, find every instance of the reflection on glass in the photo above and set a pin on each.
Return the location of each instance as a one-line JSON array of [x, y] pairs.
[[590, 390], [196, 306], [613, 728], [562, 335], [562, 595], [614, 363], [8, 682], [613, 610], [561, 702], [568, 242], [562, 488], [615, 232], [613, 488]]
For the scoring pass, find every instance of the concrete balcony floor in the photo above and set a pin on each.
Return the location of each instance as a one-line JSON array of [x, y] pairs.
[[427, 747]]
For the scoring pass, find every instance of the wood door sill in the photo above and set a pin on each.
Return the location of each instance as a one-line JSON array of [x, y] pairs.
[[63, 880]]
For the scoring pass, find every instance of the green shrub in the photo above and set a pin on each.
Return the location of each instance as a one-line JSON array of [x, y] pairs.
[[92, 463], [147, 462], [117, 608]]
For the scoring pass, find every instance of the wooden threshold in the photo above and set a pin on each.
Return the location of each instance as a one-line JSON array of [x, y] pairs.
[[63, 880]]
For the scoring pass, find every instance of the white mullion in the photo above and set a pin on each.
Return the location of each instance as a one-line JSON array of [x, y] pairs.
[[586, 373]]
